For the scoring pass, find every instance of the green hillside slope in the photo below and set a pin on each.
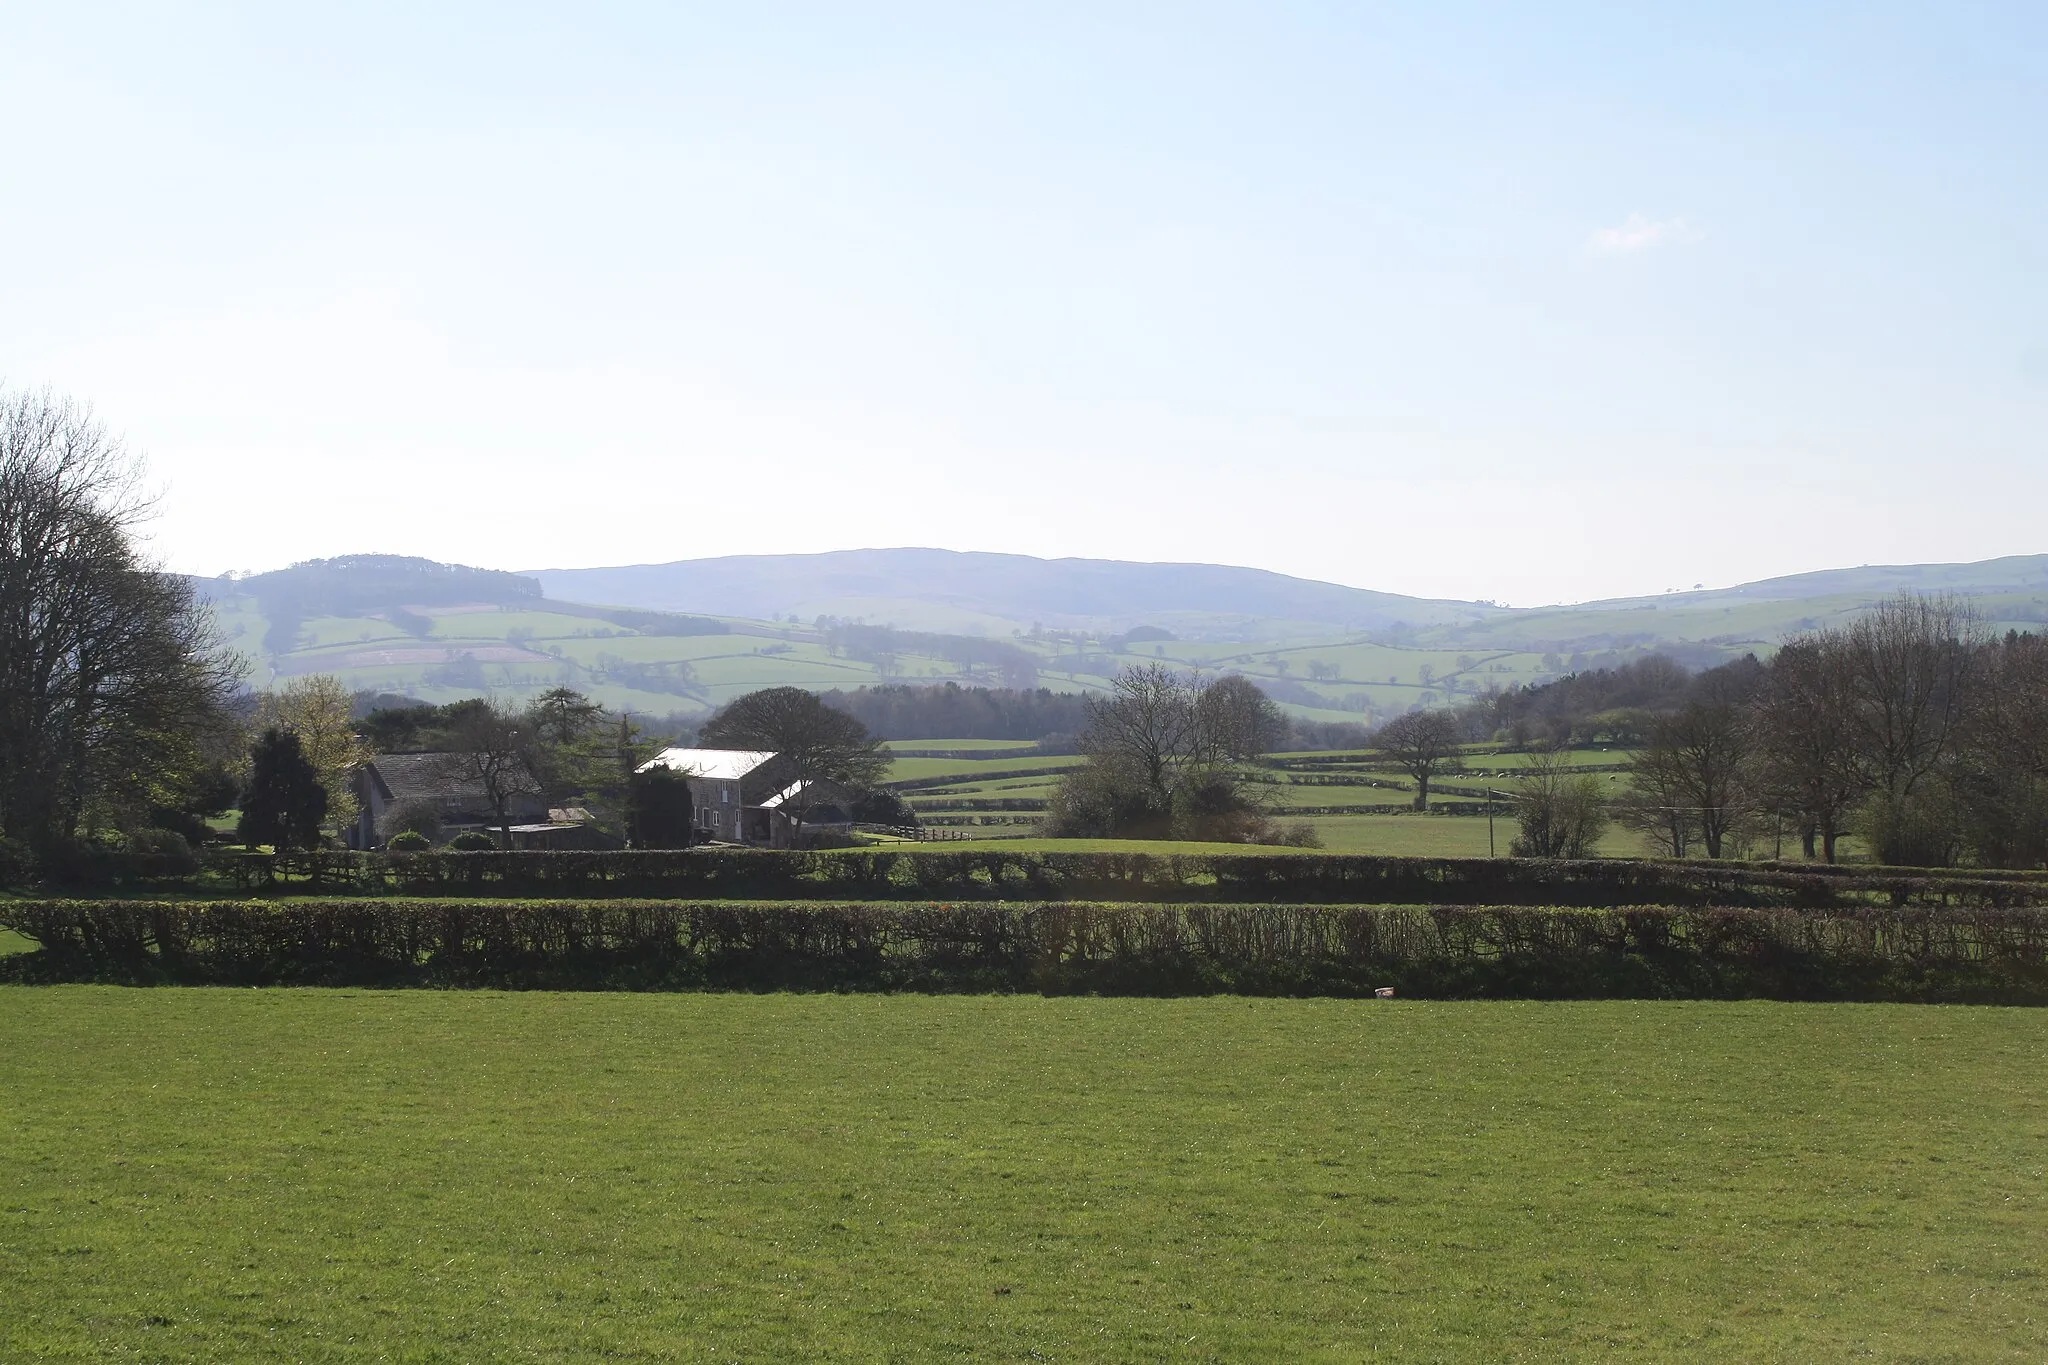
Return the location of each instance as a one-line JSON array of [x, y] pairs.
[[439, 632]]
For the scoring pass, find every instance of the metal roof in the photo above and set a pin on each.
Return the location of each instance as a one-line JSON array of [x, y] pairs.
[[725, 764]]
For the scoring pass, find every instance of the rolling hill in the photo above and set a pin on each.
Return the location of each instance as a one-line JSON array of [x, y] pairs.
[[686, 637], [948, 590]]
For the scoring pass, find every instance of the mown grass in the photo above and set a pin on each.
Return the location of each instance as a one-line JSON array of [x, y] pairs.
[[205, 1175]]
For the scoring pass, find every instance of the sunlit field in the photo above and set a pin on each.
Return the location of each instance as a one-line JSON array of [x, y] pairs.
[[292, 1175]]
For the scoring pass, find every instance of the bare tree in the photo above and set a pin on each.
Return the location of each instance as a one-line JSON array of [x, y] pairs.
[[1147, 725], [2001, 772], [1166, 754], [1700, 754], [1658, 803], [1423, 744], [1807, 762], [1910, 672], [1562, 812], [494, 747], [111, 675], [1234, 721]]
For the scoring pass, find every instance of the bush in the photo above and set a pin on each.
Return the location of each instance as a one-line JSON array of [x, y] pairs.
[[168, 848], [1300, 834], [1561, 814], [472, 841], [409, 841], [191, 828], [1921, 829]]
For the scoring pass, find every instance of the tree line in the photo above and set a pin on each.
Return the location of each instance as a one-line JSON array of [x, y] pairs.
[[1910, 727]]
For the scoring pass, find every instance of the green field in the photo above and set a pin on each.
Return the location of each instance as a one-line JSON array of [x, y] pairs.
[[1402, 834], [987, 746], [306, 1175], [1443, 836], [978, 770], [518, 650]]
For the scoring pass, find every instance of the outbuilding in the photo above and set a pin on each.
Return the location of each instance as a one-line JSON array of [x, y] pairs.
[[752, 796]]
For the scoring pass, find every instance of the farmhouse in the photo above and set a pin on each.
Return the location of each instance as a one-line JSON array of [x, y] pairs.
[[751, 796]]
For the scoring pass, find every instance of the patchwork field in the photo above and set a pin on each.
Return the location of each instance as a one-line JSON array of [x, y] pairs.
[[1353, 800], [633, 661], [286, 1175]]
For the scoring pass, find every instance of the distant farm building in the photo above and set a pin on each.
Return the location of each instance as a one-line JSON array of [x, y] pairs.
[[435, 795], [750, 796]]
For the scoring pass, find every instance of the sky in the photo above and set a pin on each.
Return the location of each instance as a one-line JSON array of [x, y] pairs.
[[1524, 303]]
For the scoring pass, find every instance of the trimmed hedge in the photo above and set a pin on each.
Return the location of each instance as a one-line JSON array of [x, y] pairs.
[[1006, 875], [1987, 955]]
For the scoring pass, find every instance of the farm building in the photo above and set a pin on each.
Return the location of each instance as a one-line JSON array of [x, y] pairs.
[[407, 791], [750, 796]]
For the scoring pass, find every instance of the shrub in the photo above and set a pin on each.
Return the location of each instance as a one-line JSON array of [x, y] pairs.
[[169, 849], [1300, 834], [409, 841], [1921, 829], [1561, 814], [472, 841]]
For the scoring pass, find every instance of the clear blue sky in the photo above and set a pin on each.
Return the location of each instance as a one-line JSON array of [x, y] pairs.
[[1534, 303]]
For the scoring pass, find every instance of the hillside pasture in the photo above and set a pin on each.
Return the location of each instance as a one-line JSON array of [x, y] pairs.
[[574, 645]]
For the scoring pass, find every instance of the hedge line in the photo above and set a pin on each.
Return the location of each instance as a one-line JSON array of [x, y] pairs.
[[1989, 955], [1002, 874], [926, 874]]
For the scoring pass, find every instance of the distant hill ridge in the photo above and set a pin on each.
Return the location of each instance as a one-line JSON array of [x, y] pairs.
[[2009, 574], [954, 590], [349, 584], [654, 639]]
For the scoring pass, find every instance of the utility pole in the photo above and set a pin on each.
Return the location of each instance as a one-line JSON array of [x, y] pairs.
[[1491, 795]]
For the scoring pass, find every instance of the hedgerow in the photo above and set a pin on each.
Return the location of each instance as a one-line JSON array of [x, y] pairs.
[[1028, 875], [1867, 953]]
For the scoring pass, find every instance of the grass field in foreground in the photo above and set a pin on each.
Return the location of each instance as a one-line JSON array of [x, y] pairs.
[[204, 1175]]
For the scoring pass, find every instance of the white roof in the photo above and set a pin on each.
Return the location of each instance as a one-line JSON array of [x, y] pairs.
[[726, 764]]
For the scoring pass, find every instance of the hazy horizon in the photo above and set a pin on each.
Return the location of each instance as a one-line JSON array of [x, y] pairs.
[[1497, 601], [1535, 308]]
